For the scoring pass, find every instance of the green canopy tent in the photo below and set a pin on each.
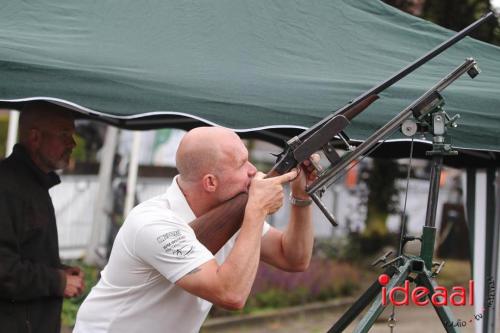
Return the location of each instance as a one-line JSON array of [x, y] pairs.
[[260, 67], [267, 69]]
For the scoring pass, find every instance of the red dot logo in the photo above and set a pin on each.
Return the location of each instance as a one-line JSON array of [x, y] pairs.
[[383, 279]]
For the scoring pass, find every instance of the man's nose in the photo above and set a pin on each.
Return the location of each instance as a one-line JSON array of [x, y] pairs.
[[252, 170]]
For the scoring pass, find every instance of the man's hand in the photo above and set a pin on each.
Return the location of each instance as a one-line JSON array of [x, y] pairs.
[[307, 175], [74, 282], [266, 194]]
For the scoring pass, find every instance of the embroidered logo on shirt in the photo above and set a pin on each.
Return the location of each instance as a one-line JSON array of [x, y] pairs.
[[168, 235], [175, 243]]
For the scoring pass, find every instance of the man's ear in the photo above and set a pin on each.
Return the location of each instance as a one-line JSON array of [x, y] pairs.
[[210, 182], [34, 137]]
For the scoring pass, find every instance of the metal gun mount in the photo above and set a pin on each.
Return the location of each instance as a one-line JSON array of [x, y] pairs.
[[406, 268], [320, 135], [426, 111]]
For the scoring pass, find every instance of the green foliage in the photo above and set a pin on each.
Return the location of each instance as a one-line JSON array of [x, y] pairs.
[[4, 128], [454, 15], [79, 153], [71, 305], [273, 288], [325, 279], [276, 298], [358, 247], [382, 197]]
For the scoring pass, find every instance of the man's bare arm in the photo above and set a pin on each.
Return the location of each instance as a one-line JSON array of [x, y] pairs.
[[229, 284]]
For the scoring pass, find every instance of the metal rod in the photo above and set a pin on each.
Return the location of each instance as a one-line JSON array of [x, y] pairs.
[[377, 307], [444, 312], [490, 293], [330, 175], [324, 210], [361, 303], [432, 199]]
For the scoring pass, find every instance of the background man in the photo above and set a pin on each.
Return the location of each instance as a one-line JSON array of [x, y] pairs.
[[160, 278], [32, 279]]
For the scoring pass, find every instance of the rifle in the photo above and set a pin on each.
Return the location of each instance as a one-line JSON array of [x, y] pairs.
[[217, 226]]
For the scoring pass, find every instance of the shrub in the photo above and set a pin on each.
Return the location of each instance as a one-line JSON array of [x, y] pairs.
[[273, 288]]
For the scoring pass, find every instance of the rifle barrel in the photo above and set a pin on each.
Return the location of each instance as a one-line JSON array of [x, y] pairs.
[[402, 73], [330, 175]]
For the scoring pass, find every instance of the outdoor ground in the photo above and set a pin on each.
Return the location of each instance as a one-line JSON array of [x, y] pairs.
[[410, 319]]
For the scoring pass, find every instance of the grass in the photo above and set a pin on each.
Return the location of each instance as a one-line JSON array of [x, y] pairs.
[[454, 273]]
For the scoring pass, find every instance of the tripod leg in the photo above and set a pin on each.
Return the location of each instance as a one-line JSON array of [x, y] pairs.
[[377, 307], [444, 312], [360, 304]]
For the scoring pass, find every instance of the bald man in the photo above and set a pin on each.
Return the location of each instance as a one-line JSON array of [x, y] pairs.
[[32, 279], [160, 278]]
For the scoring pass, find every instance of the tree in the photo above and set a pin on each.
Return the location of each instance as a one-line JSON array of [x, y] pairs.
[[382, 196], [454, 15]]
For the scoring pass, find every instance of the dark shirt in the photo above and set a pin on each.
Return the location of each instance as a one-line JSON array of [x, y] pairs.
[[31, 284]]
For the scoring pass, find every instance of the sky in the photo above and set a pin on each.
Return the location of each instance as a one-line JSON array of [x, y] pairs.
[[495, 3]]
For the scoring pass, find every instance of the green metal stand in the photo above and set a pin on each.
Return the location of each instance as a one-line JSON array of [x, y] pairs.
[[416, 269]]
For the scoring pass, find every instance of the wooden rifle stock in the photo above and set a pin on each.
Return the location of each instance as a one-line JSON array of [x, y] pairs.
[[216, 227], [360, 107]]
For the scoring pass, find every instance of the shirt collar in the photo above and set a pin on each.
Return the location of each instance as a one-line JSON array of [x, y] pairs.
[[46, 179], [178, 202]]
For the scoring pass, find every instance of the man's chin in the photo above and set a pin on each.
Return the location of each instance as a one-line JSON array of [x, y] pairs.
[[63, 164]]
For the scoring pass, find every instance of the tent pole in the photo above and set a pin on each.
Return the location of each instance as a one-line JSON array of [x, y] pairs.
[[470, 199], [497, 235], [133, 169], [491, 255], [479, 243], [12, 133], [103, 197]]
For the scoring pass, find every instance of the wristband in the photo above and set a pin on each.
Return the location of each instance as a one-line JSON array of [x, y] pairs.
[[299, 202]]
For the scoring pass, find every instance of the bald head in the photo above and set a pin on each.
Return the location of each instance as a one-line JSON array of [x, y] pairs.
[[213, 167], [46, 131], [40, 115], [202, 149]]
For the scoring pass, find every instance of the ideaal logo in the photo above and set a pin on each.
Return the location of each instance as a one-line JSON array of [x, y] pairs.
[[457, 297]]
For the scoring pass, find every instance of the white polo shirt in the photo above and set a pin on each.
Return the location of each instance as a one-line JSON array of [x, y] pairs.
[[154, 248]]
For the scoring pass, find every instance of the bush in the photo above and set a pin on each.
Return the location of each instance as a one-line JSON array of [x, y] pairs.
[[273, 288], [4, 128]]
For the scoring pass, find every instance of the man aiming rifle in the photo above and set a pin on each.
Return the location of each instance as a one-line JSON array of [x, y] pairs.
[[160, 277]]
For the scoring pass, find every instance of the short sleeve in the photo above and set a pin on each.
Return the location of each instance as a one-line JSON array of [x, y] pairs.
[[172, 249]]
